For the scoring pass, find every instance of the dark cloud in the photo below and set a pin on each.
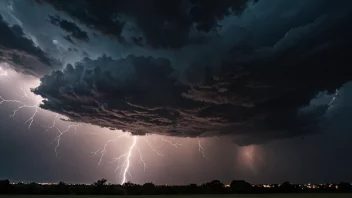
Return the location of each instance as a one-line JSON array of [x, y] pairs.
[[69, 39], [22, 54], [158, 23], [71, 28], [256, 92]]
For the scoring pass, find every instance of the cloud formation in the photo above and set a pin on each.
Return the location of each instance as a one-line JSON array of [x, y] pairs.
[[71, 28], [157, 23], [256, 97], [258, 89], [22, 54]]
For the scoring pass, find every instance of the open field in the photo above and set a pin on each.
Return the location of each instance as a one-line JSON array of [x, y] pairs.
[[189, 196]]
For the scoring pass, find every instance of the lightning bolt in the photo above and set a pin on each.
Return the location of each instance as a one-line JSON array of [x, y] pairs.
[[103, 151], [176, 145], [124, 167], [124, 163], [48, 128], [24, 93], [58, 138], [128, 163], [31, 119], [21, 105], [153, 149], [201, 149], [141, 159]]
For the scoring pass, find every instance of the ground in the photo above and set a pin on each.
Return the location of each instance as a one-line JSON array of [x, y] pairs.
[[192, 196]]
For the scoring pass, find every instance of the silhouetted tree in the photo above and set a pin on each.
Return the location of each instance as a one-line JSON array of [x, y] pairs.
[[149, 188], [214, 186], [287, 187], [149, 185], [101, 187], [4, 186], [345, 187], [241, 186], [193, 188], [63, 188], [129, 185], [100, 182]]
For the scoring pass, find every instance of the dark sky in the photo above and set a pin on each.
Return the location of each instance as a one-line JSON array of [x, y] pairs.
[[215, 89]]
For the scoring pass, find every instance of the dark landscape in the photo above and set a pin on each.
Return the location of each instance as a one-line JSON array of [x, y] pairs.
[[101, 187]]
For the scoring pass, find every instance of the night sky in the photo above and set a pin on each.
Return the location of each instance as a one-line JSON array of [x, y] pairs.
[[195, 90]]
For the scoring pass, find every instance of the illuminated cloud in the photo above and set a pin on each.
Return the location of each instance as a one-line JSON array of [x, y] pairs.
[[22, 54], [71, 28]]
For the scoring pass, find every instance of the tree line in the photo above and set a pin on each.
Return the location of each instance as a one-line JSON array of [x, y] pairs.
[[101, 187]]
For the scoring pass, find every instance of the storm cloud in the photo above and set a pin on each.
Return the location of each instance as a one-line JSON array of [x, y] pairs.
[[22, 54], [255, 95], [156, 23], [257, 87], [71, 28]]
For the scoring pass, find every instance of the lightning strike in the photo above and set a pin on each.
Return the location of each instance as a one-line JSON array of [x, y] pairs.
[[21, 105], [176, 145], [103, 151], [141, 159], [58, 138], [116, 159], [126, 164], [25, 95], [153, 149], [31, 119], [48, 128], [201, 149], [128, 159]]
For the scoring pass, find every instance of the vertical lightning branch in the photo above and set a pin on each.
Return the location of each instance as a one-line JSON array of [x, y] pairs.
[[124, 161], [126, 164], [128, 161], [201, 149]]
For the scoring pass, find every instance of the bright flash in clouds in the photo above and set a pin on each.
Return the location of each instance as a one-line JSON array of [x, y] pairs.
[[250, 157], [3, 72]]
